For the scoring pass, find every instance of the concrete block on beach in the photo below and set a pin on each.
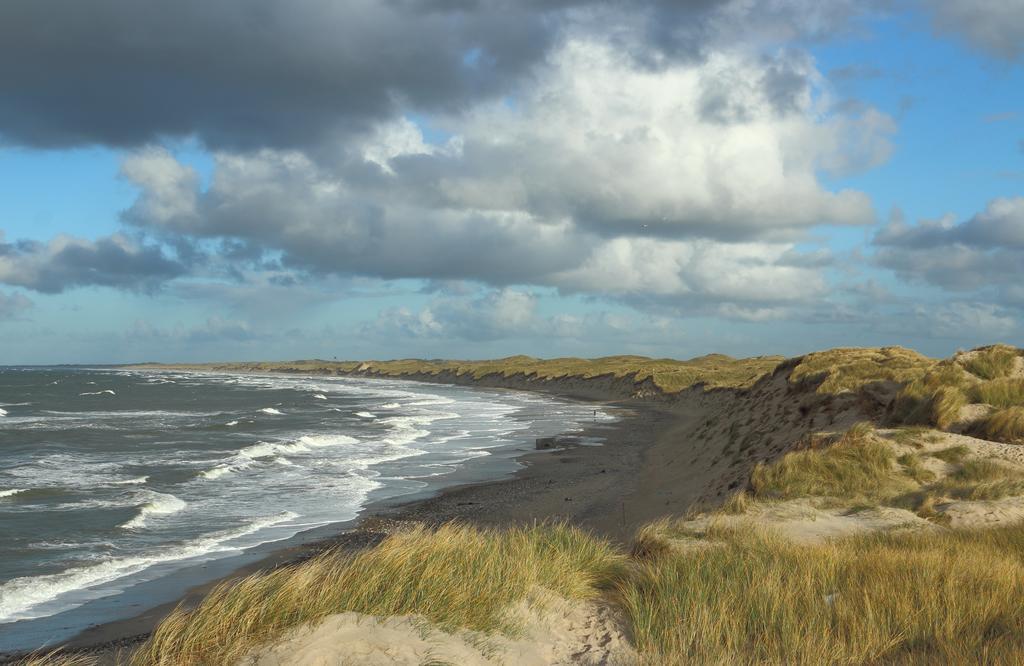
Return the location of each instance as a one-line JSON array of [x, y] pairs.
[[552, 442]]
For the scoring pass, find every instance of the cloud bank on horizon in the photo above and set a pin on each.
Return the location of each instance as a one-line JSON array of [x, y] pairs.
[[488, 177]]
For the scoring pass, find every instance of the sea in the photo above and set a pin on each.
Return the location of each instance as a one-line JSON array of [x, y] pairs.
[[122, 488]]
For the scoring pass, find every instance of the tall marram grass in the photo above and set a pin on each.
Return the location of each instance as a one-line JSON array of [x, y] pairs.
[[1006, 425], [938, 597], [993, 362], [57, 658], [928, 597], [858, 465], [934, 399], [454, 576], [1004, 392]]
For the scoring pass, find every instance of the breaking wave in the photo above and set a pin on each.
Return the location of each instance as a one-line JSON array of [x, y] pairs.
[[160, 504], [19, 595]]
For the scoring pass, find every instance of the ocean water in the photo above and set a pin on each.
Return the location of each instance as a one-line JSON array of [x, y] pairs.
[[120, 488]]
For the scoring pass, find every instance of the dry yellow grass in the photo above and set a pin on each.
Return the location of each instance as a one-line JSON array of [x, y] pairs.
[[454, 577], [862, 469], [1003, 392], [992, 362], [858, 466], [1006, 425], [925, 598], [56, 658], [669, 375], [934, 398], [852, 368]]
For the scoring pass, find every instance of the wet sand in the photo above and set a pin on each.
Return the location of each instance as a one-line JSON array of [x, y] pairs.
[[600, 488]]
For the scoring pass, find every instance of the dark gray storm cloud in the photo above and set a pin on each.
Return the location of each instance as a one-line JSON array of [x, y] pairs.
[[242, 74], [66, 262]]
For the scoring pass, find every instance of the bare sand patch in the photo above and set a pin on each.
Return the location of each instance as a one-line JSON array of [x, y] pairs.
[[554, 631]]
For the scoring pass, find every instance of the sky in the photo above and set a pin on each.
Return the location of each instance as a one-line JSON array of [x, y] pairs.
[[355, 179]]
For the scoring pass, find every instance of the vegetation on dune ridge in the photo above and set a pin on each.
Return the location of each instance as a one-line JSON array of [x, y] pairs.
[[858, 465], [846, 369], [455, 577], [991, 362], [669, 375], [931, 389], [862, 468]]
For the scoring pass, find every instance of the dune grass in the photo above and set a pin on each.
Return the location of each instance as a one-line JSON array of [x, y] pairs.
[[861, 469], [915, 436], [852, 368], [669, 375], [859, 465], [1003, 392], [952, 454], [454, 577], [933, 399], [992, 362], [921, 598], [56, 658], [752, 598], [1006, 425], [980, 480], [913, 466]]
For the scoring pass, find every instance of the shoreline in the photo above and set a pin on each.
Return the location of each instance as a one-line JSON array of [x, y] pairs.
[[586, 485]]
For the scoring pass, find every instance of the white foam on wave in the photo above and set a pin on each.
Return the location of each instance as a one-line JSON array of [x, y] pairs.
[[271, 410], [98, 392], [220, 470], [247, 456], [160, 504], [19, 596], [3, 412], [366, 415], [281, 460], [231, 423], [430, 401], [390, 405], [319, 396], [302, 444], [12, 492], [138, 481]]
